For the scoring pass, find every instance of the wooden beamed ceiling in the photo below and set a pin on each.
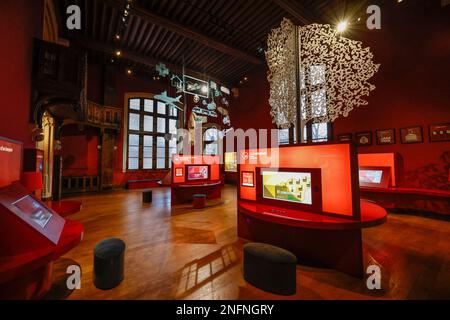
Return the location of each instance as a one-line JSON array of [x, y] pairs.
[[219, 39]]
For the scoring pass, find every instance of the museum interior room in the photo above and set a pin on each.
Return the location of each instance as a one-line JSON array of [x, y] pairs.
[[225, 150]]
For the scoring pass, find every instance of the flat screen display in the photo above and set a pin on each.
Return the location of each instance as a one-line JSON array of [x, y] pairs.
[[199, 172], [34, 211], [230, 162], [370, 176], [286, 186]]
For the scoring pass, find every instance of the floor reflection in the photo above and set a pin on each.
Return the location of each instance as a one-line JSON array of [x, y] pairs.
[[198, 273]]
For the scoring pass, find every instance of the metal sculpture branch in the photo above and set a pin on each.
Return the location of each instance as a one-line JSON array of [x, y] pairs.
[[334, 73]]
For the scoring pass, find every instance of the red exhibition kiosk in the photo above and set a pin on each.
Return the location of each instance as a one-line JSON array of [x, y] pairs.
[[195, 175], [378, 176], [32, 235], [306, 199]]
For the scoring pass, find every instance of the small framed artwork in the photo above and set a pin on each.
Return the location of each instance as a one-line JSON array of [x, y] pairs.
[[411, 135], [345, 137], [179, 172], [440, 132], [363, 138], [386, 136], [248, 179]]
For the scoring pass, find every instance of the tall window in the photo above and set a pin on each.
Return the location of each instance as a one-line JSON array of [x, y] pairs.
[[152, 127], [315, 90], [283, 136], [211, 137]]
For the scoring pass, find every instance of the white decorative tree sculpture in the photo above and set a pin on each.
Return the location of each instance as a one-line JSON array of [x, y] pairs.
[[327, 73]]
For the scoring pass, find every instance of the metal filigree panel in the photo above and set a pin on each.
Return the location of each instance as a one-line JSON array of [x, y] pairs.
[[281, 61], [334, 73]]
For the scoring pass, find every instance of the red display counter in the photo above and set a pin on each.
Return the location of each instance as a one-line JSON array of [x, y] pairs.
[[390, 195], [65, 208], [32, 235], [195, 175], [424, 200], [183, 193], [29, 243], [306, 199], [327, 241]]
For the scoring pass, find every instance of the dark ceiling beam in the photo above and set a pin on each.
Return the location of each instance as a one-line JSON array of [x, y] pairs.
[[187, 32], [297, 10], [139, 58]]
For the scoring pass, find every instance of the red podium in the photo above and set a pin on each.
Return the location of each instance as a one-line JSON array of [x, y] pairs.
[[195, 175], [306, 199], [32, 235]]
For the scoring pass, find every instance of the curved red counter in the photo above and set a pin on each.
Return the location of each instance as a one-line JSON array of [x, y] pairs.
[[184, 192], [437, 201], [65, 208], [327, 240], [371, 215], [27, 247], [28, 275]]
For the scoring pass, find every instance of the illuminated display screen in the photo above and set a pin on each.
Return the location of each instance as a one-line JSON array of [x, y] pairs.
[[230, 161], [370, 176], [197, 172], [34, 211], [287, 186]]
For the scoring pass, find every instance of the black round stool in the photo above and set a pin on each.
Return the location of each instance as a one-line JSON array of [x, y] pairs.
[[270, 268], [147, 196], [109, 257]]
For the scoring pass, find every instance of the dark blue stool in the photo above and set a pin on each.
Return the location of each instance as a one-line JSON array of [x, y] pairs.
[[109, 256], [147, 196], [270, 268]]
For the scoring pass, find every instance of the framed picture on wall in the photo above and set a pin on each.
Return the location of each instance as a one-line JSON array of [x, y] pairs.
[[386, 136], [247, 179], [411, 135], [363, 138], [179, 172], [345, 137], [439, 132]]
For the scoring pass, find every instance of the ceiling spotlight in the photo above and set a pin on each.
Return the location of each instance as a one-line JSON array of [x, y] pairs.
[[117, 36], [129, 72], [118, 53], [342, 26]]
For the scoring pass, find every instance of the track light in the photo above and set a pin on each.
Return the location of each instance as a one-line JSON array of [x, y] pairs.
[[342, 26]]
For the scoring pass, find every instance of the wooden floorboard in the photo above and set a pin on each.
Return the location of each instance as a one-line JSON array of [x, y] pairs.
[[182, 253]]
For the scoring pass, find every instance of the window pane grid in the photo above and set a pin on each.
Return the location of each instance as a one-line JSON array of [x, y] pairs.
[[149, 121]]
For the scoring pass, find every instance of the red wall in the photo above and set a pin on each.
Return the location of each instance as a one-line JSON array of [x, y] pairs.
[[20, 21], [79, 151], [413, 88], [251, 109]]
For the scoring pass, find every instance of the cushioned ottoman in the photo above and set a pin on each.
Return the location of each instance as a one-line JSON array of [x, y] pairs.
[[109, 257], [270, 268], [199, 201], [147, 196]]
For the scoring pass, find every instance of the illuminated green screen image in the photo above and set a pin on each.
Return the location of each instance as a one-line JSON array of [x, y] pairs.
[[287, 186]]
